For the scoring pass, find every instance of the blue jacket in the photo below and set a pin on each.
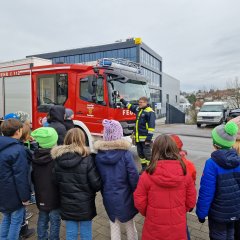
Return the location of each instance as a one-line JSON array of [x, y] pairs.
[[145, 123], [219, 194], [119, 176], [14, 183]]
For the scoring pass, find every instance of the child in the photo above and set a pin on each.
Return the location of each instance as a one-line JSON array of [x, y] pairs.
[[56, 120], [190, 166], [29, 146], [14, 182], [68, 122], [46, 192], [237, 147], [78, 181], [219, 194], [120, 176], [165, 193]]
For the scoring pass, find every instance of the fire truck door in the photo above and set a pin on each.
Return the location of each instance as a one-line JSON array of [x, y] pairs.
[[91, 108]]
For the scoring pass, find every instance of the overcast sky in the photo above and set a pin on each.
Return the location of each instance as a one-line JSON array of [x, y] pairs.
[[199, 40]]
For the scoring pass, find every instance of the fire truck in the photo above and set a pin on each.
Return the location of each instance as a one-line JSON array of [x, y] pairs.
[[91, 90]]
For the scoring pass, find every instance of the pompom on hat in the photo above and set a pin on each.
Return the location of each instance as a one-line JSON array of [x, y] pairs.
[[45, 136], [224, 136], [112, 130]]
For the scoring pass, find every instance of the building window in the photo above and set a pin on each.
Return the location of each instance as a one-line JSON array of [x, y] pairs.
[[154, 79], [155, 95], [150, 61]]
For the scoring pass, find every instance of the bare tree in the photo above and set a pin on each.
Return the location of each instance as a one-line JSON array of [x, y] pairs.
[[233, 87]]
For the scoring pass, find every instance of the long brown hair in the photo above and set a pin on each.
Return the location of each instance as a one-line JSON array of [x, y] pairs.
[[76, 137], [26, 132], [164, 148]]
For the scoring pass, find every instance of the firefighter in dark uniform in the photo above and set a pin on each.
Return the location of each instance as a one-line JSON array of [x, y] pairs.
[[144, 128]]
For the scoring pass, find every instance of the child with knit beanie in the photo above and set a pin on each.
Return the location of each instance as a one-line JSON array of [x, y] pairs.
[[68, 122], [219, 194], [120, 177], [46, 192], [237, 147]]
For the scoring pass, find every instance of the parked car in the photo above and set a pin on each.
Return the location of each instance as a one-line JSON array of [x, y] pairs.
[[233, 113], [212, 113]]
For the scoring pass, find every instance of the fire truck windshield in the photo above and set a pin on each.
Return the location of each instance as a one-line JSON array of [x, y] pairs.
[[130, 90]]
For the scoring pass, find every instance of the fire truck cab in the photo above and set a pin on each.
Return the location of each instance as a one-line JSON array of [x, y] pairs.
[[90, 90]]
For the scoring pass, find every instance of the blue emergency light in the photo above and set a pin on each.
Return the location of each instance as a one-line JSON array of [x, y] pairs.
[[105, 62]]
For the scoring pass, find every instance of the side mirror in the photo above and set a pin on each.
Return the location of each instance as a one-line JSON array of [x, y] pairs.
[[115, 94]]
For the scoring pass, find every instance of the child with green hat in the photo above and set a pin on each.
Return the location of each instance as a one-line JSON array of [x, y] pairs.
[[46, 191], [219, 194]]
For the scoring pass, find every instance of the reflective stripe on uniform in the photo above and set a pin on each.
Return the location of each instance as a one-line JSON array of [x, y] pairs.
[[144, 161], [129, 105], [139, 114], [151, 130], [142, 138], [148, 109]]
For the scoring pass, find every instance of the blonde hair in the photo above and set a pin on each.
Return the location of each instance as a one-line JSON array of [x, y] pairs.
[[76, 137], [26, 132], [237, 146]]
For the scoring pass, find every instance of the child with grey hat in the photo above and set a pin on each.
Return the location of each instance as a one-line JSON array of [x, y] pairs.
[[68, 122]]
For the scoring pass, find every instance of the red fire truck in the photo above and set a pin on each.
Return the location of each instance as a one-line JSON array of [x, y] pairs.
[[34, 85]]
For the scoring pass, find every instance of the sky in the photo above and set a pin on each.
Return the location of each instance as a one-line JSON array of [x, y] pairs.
[[199, 40]]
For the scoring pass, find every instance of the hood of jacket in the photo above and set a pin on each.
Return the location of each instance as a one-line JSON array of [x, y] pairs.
[[110, 152], [6, 142], [42, 156], [168, 173], [67, 156], [56, 114], [226, 158]]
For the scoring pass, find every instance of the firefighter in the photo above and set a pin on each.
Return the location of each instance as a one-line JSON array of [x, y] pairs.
[[144, 128]]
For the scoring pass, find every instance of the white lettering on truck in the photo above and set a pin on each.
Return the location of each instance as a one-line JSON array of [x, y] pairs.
[[126, 112]]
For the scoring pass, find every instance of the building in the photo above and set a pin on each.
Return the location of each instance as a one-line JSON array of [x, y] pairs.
[[132, 49], [170, 92]]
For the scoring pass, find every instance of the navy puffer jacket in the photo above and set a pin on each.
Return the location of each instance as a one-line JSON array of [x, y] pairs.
[[14, 169], [219, 194], [120, 177]]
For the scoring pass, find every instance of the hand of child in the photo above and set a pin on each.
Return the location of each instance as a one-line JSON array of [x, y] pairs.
[[147, 142], [201, 220], [25, 203]]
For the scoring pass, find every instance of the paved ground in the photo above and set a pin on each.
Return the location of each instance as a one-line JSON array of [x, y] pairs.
[[199, 149]]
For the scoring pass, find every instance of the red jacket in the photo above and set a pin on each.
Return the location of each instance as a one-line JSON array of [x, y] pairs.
[[190, 166], [164, 198]]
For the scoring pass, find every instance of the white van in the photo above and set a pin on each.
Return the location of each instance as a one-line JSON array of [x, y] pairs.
[[212, 113]]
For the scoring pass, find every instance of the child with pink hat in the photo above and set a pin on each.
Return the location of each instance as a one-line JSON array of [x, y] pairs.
[[120, 177]]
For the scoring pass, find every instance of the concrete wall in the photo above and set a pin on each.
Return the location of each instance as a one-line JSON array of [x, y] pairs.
[[170, 86]]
